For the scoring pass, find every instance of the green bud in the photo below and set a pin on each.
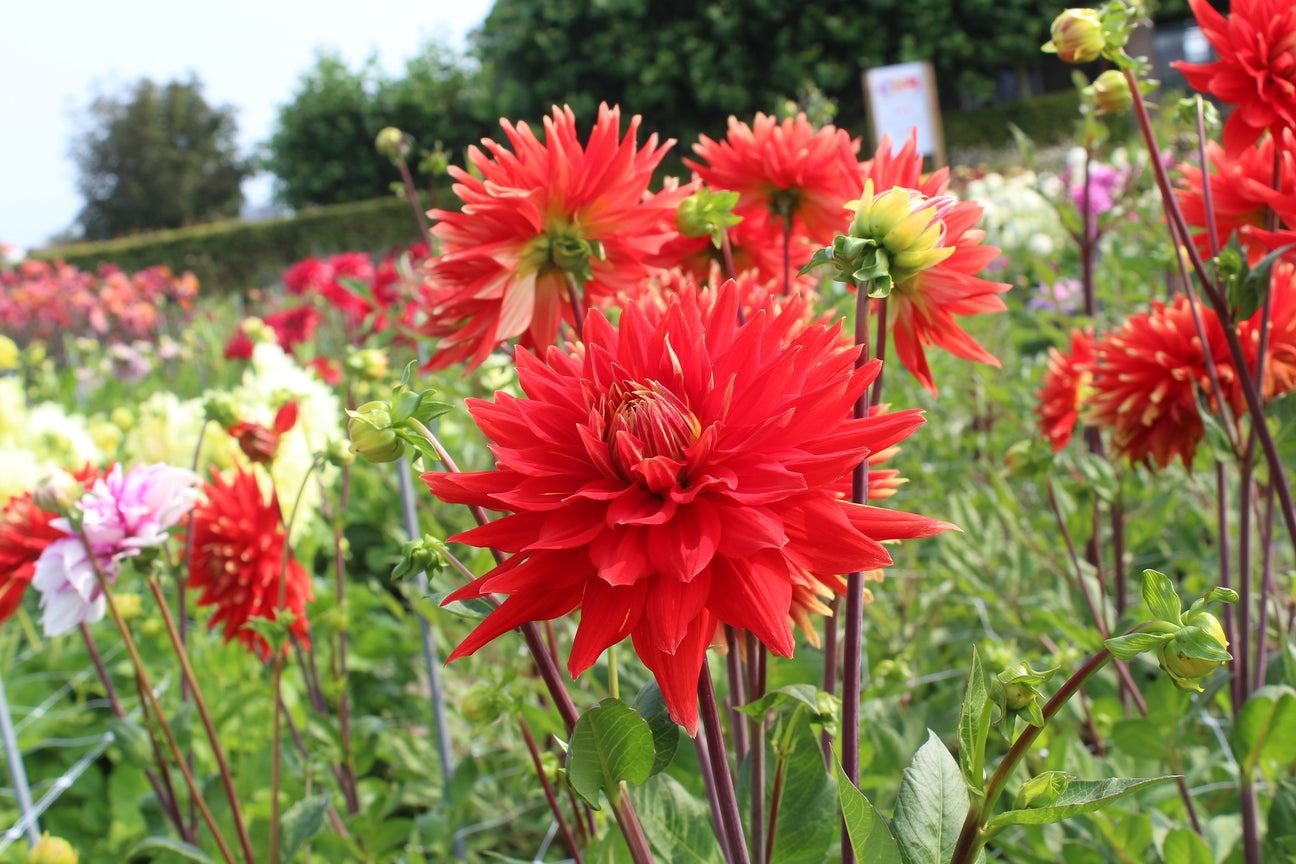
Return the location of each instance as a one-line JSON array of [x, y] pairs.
[[52, 850], [425, 555], [1077, 36], [337, 453], [1195, 651], [56, 492], [222, 409], [706, 213], [1111, 92], [392, 143], [372, 435], [482, 703], [368, 363]]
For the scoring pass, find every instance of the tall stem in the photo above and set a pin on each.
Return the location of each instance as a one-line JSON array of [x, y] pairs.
[[724, 787]]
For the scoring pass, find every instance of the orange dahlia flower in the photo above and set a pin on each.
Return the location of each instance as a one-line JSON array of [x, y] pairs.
[[1065, 388], [537, 212], [786, 173], [674, 475], [1147, 380], [238, 558], [1256, 71]]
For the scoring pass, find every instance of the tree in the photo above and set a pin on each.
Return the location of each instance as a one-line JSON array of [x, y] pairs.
[[322, 150], [157, 156]]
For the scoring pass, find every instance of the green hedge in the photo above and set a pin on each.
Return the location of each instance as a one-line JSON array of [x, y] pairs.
[[237, 255], [1049, 119]]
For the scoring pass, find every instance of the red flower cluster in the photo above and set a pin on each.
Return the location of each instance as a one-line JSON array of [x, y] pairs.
[[54, 301], [238, 561], [1066, 387], [675, 474]]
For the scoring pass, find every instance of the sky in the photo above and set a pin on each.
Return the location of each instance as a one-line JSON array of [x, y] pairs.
[[249, 54]]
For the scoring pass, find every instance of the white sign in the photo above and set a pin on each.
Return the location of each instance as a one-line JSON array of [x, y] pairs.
[[902, 98]]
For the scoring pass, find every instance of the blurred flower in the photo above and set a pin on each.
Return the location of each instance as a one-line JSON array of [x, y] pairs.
[[9, 354], [1256, 71], [238, 561], [1241, 189], [675, 475], [1111, 92], [1066, 296], [1065, 388], [52, 850], [537, 215]]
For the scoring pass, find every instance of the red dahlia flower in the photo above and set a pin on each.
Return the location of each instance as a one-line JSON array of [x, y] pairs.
[[1242, 192], [1147, 377], [1256, 71], [238, 555], [1065, 388], [792, 180], [539, 212], [675, 475]]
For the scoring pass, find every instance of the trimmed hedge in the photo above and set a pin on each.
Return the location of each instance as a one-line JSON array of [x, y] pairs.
[[237, 255], [1048, 119]]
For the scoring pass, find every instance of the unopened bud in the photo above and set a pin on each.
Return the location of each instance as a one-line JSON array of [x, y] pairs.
[[372, 435], [52, 850], [1077, 36], [258, 443], [56, 492], [338, 453], [1182, 656], [1111, 92], [392, 143]]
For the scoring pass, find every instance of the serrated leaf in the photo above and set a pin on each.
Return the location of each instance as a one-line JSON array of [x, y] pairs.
[[1264, 728], [1134, 644], [610, 743], [1183, 846], [931, 805], [299, 823], [1080, 796], [1160, 598], [974, 725], [168, 844], [651, 706], [677, 825], [869, 834]]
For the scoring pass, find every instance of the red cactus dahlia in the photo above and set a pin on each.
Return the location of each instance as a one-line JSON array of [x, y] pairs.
[[1065, 388], [238, 555], [537, 212], [1256, 71], [675, 475]]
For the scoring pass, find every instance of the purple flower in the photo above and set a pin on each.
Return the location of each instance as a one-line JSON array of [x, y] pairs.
[[1062, 296], [1104, 180], [120, 515]]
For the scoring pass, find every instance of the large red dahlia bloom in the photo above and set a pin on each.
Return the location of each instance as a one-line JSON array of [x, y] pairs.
[[1065, 388], [1256, 71], [536, 212], [675, 475], [1242, 192], [788, 173], [1148, 377], [238, 555]]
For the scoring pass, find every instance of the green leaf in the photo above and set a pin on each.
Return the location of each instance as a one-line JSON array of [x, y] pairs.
[[801, 834], [869, 835], [610, 743], [677, 825], [1140, 738], [1264, 728], [1160, 598], [651, 706], [176, 847], [299, 823], [974, 725], [1248, 293], [931, 805], [1183, 846], [792, 694], [1080, 796], [134, 741], [1134, 644], [1194, 641]]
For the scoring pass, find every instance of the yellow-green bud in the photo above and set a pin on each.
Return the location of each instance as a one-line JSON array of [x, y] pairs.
[[369, 364], [1017, 696], [338, 453], [1111, 92], [222, 409], [372, 435], [56, 492], [52, 850], [392, 143], [1183, 668], [1078, 36]]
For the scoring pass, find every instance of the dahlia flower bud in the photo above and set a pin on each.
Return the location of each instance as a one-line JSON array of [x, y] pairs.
[[372, 435], [1077, 36], [1111, 92], [1195, 651], [368, 363], [706, 213], [52, 850], [56, 492], [222, 409], [258, 443], [392, 143], [1016, 691]]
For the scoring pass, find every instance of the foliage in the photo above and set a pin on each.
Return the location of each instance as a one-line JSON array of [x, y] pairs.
[[158, 156], [322, 149]]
